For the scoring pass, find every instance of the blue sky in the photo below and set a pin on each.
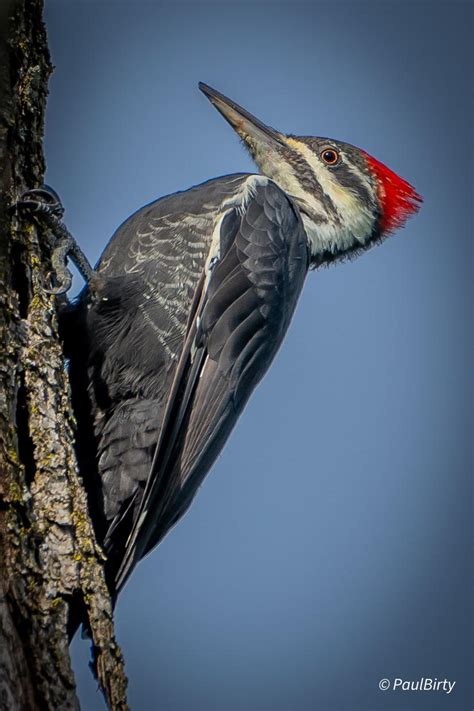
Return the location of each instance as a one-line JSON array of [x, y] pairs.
[[331, 544]]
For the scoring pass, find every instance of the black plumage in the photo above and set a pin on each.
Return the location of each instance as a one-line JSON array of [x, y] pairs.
[[187, 308]]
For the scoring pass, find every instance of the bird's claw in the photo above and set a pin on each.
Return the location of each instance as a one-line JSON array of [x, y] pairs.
[[45, 204], [44, 201], [64, 282]]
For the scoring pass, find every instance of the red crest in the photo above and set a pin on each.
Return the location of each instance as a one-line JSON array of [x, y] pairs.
[[398, 199]]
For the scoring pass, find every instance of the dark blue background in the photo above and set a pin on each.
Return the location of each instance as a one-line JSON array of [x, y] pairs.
[[331, 546]]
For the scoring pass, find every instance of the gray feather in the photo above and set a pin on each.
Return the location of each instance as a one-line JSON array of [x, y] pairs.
[[242, 319]]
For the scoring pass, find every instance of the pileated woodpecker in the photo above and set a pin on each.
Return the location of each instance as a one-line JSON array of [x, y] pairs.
[[187, 308]]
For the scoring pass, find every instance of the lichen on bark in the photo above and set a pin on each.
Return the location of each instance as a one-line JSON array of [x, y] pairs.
[[48, 553]]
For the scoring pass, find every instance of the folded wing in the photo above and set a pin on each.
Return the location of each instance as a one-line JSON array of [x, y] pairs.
[[242, 308]]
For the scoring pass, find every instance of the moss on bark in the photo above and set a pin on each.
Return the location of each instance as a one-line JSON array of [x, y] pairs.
[[48, 552]]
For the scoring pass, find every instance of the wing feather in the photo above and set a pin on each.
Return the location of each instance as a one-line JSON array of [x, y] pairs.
[[235, 328]]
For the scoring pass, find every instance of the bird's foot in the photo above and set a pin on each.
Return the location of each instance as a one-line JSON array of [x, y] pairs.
[[44, 201], [45, 205]]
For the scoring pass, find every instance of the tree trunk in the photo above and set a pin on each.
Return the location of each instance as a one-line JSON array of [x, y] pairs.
[[48, 552]]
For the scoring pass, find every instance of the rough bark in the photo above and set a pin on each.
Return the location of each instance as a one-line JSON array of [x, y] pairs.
[[48, 553]]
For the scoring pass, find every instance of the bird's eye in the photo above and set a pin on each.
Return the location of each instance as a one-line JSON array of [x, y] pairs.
[[330, 156]]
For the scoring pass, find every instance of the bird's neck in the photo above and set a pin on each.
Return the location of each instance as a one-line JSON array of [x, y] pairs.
[[332, 240]]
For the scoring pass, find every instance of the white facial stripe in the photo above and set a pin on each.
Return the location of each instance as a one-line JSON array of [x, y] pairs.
[[271, 164], [356, 218], [361, 176], [344, 200]]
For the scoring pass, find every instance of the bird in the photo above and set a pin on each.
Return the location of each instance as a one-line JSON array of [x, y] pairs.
[[187, 308]]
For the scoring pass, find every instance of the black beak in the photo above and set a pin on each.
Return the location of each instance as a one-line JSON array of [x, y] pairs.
[[249, 128]]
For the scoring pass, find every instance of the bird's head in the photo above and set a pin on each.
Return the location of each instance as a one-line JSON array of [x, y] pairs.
[[347, 199]]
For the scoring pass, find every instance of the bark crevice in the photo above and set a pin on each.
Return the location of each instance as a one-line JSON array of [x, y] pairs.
[[48, 552]]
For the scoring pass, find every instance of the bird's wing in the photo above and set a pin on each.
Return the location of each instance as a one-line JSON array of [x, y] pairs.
[[241, 310]]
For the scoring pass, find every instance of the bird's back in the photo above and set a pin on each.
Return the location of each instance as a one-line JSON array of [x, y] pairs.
[[183, 316], [135, 313]]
